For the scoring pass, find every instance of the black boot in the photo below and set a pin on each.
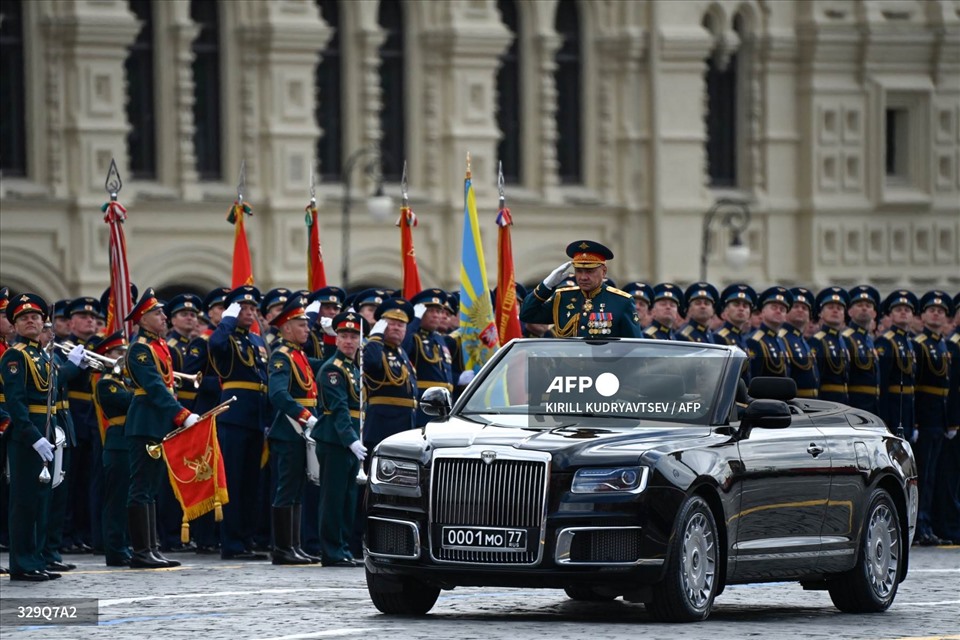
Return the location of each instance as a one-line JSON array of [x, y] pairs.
[[283, 552], [155, 538], [138, 520], [297, 519]]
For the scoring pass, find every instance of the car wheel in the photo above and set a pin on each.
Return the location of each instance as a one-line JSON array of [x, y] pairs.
[[871, 585], [403, 596], [587, 594], [686, 593]]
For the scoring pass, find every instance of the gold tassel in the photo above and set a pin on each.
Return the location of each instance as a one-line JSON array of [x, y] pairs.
[[185, 531], [217, 511]]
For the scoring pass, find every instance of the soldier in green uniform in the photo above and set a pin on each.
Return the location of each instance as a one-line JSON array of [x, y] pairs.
[[26, 372], [339, 449], [589, 310]]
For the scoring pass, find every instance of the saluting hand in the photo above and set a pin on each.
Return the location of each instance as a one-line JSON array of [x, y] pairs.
[[379, 328], [232, 311], [556, 276], [326, 325]]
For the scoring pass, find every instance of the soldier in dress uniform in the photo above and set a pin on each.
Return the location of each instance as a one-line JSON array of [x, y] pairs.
[[667, 301], [864, 383], [61, 322], [829, 347], [112, 398], [736, 303], [6, 333], [271, 304], [425, 347], [946, 523], [339, 448], [239, 357], [700, 299], [323, 305], [451, 337], [932, 390], [154, 412], [898, 364], [388, 375], [803, 367], [293, 393], [588, 310], [642, 299], [366, 303], [25, 370], [766, 349]]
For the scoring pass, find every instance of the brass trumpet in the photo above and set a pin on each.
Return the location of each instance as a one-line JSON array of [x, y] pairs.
[[195, 378], [92, 359]]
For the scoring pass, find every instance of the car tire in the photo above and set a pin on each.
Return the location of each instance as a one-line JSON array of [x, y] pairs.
[[871, 585], [693, 567], [413, 598], [587, 594]]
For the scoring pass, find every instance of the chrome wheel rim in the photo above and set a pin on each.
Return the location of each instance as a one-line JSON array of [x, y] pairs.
[[698, 561], [882, 551]]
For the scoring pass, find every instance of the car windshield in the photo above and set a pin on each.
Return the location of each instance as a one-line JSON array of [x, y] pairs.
[[634, 380]]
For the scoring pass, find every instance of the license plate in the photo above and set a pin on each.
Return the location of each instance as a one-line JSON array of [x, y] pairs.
[[484, 539]]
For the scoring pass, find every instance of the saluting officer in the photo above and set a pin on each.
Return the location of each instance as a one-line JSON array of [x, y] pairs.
[[590, 309], [767, 350], [736, 303], [933, 387], [700, 299], [366, 303], [240, 359], [667, 300], [864, 383], [829, 347], [803, 367], [898, 364], [426, 349], [642, 299], [323, 305], [154, 412], [339, 449]]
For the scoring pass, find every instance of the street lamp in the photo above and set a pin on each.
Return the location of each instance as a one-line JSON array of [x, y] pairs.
[[734, 215], [379, 205]]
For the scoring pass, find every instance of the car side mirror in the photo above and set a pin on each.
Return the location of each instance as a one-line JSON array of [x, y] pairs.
[[436, 401], [766, 414]]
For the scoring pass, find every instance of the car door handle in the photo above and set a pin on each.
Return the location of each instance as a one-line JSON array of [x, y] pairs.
[[814, 449]]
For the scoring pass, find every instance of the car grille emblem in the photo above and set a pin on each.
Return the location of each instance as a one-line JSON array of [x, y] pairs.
[[488, 456]]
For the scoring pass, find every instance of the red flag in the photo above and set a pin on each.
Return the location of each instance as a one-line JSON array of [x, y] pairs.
[[507, 307], [121, 299], [316, 277], [408, 265], [196, 471], [242, 266]]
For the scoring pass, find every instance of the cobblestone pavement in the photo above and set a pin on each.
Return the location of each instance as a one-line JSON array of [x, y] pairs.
[[209, 599]]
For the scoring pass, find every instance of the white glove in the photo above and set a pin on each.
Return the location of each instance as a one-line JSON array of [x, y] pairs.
[[44, 448], [358, 450], [466, 377], [191, 420], [556, 276], [326, 324], [311, 421], [76, 356], [379, 327], [915, 435], [313, 307], [950, 434], [232, 311], [419, 310]]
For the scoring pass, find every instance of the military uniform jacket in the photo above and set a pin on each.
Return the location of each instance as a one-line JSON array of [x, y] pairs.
[[179, 346], [933, 380], [694, 332], [4, 416], [25, 372], [605, 312], [198, 360], [803, 367], [240, 359], [768, 354], [113, 398], [833, 362], [864, 382], [953, 399], [391, 389], [339, 380], [658, 331], [319, 345], [80, 397], [154, 411], [430, 357], [898, 370], [65, 371], [293, 390]]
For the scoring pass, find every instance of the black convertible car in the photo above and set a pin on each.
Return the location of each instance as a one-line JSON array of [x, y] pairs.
[[641, 469]]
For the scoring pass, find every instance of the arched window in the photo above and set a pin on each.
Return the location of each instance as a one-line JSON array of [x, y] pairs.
[[206, 90], [13, 120], [568, 83], [329, 93], [392, 119], [508, 96], [722, 114], [141, 110]]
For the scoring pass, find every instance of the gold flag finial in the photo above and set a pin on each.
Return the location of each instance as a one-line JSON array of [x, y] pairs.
[[469, 173]]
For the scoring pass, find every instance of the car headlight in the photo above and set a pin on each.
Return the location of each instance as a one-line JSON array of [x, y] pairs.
[[400, 473], [610, 480]]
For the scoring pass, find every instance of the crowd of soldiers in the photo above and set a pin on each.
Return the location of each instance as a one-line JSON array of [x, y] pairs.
[[302, 367]]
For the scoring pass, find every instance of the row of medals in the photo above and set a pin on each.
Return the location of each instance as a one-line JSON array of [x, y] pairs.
[[597, 327]]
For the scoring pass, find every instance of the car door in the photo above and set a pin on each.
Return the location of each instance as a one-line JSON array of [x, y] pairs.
[[784, 483]]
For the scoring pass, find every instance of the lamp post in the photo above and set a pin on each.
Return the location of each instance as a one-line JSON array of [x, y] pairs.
[[734, 215], [379, 205]]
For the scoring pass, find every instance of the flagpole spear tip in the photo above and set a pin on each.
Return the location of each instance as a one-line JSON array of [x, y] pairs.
[[113, 183], [405, 201], [469, 171]]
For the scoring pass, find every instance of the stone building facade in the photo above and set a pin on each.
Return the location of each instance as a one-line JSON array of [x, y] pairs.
[[836, 122]]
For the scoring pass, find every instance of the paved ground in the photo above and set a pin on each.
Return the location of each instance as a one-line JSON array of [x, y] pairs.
[[210, 599]]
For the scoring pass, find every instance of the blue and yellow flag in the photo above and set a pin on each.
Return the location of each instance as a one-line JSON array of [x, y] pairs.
[[477, 328]]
